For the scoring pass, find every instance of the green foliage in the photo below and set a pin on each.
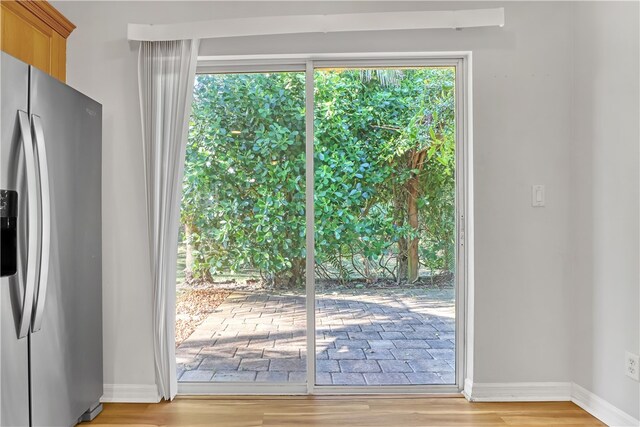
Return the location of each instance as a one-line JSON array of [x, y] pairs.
[[244, 175], [243, 196]]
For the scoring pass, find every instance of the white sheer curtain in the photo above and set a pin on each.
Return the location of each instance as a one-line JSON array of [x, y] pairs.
[[166, 72]]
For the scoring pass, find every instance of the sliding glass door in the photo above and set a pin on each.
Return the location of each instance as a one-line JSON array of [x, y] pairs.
[[320, 245], [385, 231], [241, 298]]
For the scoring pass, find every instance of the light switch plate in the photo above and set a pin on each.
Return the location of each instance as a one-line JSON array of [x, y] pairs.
[[537, 195]]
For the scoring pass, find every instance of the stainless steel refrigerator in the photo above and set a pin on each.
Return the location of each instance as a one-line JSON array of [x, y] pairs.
[[50, 212]]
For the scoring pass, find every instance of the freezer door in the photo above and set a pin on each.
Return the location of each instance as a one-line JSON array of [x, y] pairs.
[[14, 356], [66, 337]]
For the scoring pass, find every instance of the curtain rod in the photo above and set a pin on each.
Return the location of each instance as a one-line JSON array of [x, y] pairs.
[[297, 24]]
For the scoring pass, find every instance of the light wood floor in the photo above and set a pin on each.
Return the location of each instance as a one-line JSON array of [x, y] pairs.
[[351, 411]]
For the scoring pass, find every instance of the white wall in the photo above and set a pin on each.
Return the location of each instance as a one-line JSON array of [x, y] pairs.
[[605, 202], [522, 135], [522, 109]]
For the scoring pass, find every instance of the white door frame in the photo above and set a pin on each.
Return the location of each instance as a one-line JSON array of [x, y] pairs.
[[464, 197]]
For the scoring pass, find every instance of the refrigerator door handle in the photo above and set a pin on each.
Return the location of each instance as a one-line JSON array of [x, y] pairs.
[[32, 224], [45, 220]]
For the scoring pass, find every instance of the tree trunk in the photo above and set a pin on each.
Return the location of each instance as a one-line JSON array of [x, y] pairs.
[[188, 233], [413, 260], [291, 278], [367, 270], [399, 208], [402, 259], [296, 275]]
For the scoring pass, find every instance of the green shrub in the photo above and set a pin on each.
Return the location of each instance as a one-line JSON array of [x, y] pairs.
[[384, 143]]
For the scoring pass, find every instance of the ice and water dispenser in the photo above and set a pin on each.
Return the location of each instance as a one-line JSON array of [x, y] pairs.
[[9, 236]]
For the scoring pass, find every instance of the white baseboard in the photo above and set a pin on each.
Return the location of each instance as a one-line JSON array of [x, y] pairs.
[[546, 392], [517, 392], [130, 393], [600, 408]]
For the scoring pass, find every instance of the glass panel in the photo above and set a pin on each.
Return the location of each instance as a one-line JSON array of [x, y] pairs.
[[385, 226], [241, 257]]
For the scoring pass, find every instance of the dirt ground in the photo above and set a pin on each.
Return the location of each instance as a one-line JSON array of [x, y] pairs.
[[193, 305]]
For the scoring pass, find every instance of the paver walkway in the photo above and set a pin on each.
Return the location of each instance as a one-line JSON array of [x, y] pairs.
[[375, 337]]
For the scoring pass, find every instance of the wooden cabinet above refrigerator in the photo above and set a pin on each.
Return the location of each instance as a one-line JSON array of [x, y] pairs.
[[36, 33]]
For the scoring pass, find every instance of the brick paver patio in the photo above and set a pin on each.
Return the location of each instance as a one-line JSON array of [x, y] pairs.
[[375, 337]]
